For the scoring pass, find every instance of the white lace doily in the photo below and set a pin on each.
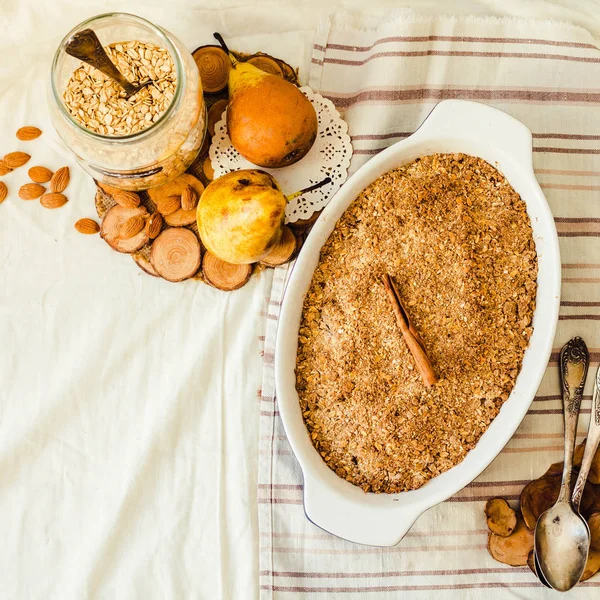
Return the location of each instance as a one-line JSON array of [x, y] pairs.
[[329, 156]]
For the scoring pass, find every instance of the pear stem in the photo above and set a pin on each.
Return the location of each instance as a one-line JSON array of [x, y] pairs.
[[310, 188], [221, 41]]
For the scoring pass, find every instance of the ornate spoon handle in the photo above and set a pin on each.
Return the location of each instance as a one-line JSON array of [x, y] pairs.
[[574, 361], [86, 46], [591, 445]]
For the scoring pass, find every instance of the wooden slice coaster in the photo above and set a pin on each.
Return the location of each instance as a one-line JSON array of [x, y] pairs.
[[283, 251], [202, 153], [111, 229], [215, 112], [142, 260], [267, 64], [214, 66], [223, 275], [181, 217], [175, 254], [208, 170], [289, 72], [159, 194], [304, 224]]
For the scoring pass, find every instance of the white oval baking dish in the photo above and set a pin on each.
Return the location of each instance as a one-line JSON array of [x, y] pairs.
[[332, 503]]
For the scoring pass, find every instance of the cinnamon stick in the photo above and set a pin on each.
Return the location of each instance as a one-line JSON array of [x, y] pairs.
[[409, 333]]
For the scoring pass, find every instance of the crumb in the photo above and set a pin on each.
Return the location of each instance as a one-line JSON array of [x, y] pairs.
[[457, 240]]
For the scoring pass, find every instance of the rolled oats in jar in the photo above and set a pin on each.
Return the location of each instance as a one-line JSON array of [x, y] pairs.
[[138, 142]]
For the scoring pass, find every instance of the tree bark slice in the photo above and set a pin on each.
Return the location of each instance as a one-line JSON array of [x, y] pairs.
[[283, 251], [175, 188], [223, 275], [181, 217], [176, 254], [141, 260], [266, 64], [215, 112], [111, 225], [303, 224], [214, 66], [208, 170]]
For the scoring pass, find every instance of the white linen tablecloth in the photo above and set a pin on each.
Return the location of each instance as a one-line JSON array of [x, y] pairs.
[[128, 406]]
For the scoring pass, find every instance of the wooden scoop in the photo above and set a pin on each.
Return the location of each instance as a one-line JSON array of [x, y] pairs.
[[86, 46]]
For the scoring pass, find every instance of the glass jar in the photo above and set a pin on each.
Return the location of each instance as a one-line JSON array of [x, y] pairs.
[[149, 157]]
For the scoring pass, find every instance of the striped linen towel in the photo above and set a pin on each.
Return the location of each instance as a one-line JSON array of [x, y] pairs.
[[385, 73]]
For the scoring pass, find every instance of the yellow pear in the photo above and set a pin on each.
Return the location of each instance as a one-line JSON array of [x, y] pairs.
[[270, 121], [240, 216]]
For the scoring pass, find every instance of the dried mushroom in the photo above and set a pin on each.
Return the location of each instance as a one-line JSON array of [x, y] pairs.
[[595, 507], [514, 549], [537, 497], [587, 500], [594, 476], [594, 525], [531, 562], [554, 469], [578, 455], [501, 518], [592, 566]]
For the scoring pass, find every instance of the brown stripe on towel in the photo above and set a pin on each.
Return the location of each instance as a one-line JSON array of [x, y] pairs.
[[456, 38], [457, 53], [399, 95]]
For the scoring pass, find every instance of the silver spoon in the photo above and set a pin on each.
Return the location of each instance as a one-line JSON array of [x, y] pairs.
[[86, 46], [561, 540], [591, 445], [538, 571]]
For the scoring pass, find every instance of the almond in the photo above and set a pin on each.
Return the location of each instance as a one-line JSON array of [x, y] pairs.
[[127, 199], [154, 225], [3, 192], [31, 191], [16, 159], [40, 174], [53, 200], [60, 180], [189, 198], [131, 227], [87, 226], [169, 205], [25, 134], [4, 168]]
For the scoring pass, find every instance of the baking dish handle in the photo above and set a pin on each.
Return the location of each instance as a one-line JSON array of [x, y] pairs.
[[362, 520], [465, 120]]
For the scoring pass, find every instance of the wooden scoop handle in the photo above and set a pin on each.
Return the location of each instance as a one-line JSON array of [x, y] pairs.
[[86, 46]]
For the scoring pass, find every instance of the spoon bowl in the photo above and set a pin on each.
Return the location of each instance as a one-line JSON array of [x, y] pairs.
[[538, 571], [562, 541]]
